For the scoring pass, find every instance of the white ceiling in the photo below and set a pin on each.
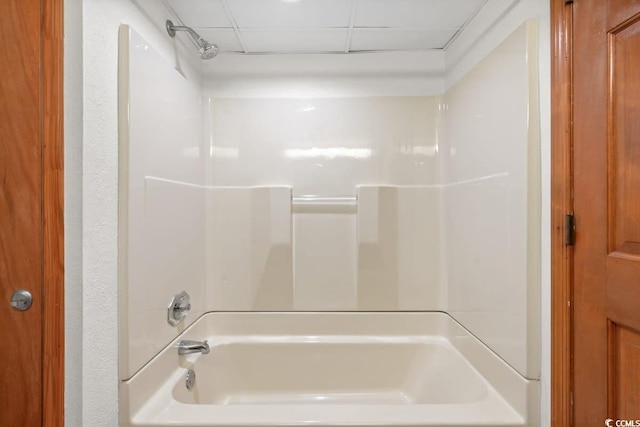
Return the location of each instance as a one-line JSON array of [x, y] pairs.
[[320, 26]]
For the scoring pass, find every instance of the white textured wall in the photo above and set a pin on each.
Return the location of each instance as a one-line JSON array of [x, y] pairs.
[[101, 19]]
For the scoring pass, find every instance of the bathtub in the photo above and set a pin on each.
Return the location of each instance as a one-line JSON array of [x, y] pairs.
[[329, 369]]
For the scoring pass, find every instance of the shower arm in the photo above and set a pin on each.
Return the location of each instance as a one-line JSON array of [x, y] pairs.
[[171, 29]]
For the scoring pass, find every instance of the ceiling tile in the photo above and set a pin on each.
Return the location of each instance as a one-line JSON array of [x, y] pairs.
[[291, 13], [201, 13], [428, 14], [295, 40], [399, 39], [226, 40]]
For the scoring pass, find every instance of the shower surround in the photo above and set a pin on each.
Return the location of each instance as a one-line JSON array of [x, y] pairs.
[[325, 205]]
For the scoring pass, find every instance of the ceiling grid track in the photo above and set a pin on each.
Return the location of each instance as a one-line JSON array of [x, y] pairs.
[[473, 15], [272, 27], [352, 23], [234, 24]]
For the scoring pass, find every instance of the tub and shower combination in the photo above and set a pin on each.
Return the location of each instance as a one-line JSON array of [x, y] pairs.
[[364, 257]]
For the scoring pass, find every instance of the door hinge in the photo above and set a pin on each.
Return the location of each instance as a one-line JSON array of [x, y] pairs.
[[569, 230]]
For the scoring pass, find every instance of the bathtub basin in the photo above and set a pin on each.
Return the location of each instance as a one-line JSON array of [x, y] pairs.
[[329, 369]]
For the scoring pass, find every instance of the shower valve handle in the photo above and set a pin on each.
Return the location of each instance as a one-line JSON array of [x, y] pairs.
[[178, 309]]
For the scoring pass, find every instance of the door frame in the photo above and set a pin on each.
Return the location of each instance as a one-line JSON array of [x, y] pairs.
[[52, 102], [561, 205]]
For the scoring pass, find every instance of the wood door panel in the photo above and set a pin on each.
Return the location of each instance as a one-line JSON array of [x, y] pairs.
[[624, 137], [619, 11], [624, 363], [21, 235], [606, 288], [623, 291]]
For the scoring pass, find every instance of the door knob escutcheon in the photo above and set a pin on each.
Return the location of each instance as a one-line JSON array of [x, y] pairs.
[[21, 300]]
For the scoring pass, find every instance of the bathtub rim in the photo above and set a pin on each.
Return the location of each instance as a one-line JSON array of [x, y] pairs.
[[519, 392]]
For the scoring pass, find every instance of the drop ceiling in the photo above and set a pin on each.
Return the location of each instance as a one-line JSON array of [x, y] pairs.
[[326, 26]]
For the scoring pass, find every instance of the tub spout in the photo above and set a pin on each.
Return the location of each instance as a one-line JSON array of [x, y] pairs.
[[188, 347]]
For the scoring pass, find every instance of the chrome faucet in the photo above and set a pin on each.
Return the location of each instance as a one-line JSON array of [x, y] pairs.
[[188, 347]]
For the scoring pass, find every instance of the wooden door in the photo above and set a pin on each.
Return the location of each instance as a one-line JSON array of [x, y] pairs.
[[606, 76], [31, 380]]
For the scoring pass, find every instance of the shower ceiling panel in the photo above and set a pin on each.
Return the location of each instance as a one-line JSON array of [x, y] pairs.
[[326, 26]]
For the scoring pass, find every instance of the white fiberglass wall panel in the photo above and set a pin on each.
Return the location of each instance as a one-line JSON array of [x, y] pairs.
[[327, 148], [491, 204], [325, 257], [323, 146], [162, 207], [399, 253], [249, 259]]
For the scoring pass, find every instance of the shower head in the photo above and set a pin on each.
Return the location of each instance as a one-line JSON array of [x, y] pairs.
[[206, 49]]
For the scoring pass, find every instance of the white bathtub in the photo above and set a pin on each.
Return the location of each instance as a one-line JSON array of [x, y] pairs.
[[330, 369]]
